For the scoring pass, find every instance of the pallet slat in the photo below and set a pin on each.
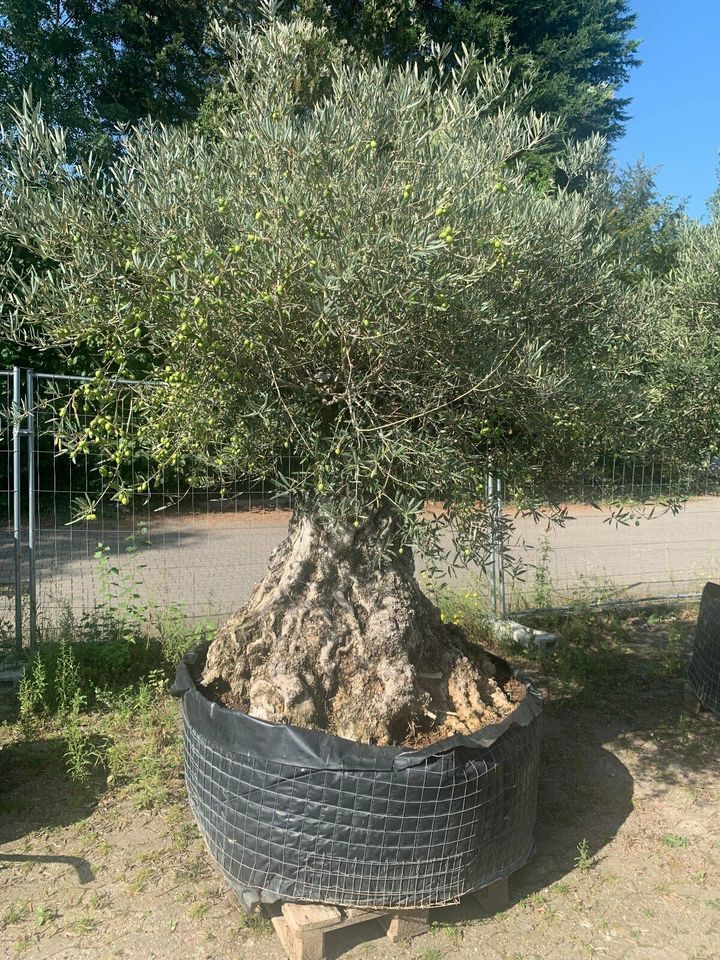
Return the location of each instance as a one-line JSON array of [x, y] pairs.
[[310, 916], [401, 926], [303, 927]]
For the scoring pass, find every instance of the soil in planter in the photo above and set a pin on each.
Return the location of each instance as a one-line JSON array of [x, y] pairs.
[[331, 641]]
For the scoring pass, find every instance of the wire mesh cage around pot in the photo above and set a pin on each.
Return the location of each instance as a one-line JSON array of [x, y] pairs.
[[704, 668], [299, 815]]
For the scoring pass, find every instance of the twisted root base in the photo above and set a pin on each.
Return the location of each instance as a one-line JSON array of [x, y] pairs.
[[331, 641]]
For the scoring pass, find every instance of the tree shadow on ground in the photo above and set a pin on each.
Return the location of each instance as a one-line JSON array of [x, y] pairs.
[[80, 865], [36, 794], [614, 685], [585, 794]]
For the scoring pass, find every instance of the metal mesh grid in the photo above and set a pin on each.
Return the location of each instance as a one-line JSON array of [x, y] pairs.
[[704, 668], [616, 478], [592, 559], [420, 836], [188, 550], [196, 553]]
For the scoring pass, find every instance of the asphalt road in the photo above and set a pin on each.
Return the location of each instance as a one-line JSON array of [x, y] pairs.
[[206, 564]]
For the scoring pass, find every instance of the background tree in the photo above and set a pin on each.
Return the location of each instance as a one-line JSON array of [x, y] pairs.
[[573, 57], [648, 227], [577, 54], [94, 64], [687, 304], [97, 63], [364, 303]]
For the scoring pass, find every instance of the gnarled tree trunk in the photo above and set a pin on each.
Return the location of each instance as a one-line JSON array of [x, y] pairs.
[[329, 639]]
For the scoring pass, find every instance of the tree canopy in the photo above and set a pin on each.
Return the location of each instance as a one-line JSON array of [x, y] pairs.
[[371, 286], [687, 304], [94, 65]]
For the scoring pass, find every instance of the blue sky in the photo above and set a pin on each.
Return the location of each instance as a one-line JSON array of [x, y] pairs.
[[675, 113]]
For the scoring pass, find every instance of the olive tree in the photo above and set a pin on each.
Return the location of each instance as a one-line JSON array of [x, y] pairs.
[[368, 289], [686, 302]]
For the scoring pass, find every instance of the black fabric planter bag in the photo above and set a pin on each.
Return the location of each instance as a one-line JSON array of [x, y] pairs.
[[704, 668], [292, 814]]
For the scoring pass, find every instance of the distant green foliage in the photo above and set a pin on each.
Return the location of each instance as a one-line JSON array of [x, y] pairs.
[[687, 303], [311, 57], [577, 54], [94, 65], [99, 63], [648, 227], [103, 62], [13, 352]]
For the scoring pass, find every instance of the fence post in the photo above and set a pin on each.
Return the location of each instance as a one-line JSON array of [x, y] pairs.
[[493, 552], [500, 558], [17, 516], [32, 505]]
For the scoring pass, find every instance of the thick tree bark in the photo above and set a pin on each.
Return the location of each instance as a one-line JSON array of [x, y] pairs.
[[331, 640]]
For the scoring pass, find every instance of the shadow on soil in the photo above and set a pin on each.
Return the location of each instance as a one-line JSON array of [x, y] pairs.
[[82, 867], [612, 683], [606, 684], [613, 689], [585, 794], [614, 686], [36, 794]]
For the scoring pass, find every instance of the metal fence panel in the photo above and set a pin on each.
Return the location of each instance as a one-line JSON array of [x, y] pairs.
[[10, 617], [592, 560], [194, 552]]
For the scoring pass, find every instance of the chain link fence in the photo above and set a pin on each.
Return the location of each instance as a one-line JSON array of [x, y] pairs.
[[195, 553]]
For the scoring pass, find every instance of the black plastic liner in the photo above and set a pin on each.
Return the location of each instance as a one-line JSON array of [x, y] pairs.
[[292, 814], [704, 668]]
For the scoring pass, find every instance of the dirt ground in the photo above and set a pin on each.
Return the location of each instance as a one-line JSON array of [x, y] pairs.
[[628, 834]]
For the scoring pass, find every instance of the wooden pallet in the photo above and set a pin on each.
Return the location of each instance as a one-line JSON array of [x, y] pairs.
[[303, 928]]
